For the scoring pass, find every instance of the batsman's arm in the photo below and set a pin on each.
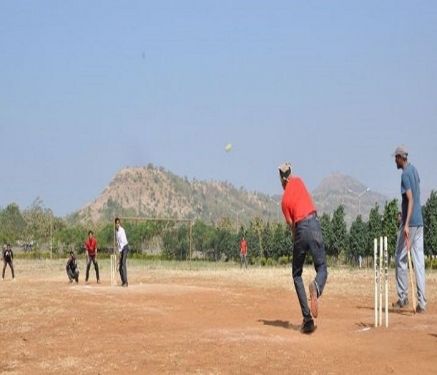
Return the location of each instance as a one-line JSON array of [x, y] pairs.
[[292, 227]]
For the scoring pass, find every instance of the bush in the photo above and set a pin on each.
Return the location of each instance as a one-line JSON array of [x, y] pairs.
[[431, 263], [284, 260], [35, 255], [145, 256]]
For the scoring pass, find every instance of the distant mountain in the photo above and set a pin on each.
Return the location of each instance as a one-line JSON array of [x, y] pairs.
[[339, 189], [155, 192]]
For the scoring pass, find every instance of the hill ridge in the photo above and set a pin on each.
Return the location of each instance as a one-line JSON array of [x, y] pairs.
[[152, 191]]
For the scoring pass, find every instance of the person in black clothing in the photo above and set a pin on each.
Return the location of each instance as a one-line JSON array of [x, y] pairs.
[[72, 270], [8, 257]]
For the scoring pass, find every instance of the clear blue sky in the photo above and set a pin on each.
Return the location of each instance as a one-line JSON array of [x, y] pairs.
[[89, 87]]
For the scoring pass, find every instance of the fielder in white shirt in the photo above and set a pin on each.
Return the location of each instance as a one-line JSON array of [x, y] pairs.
[[123, 249]]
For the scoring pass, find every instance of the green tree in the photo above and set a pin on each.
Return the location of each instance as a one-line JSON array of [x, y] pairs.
[[430, 224], [390, 225], [12, 224], [70, 238], [357, 239], [325, 224], [339, 232], [105, 237], [203, 238], [225, 241], [281, 241], [374, 228], [253, 237], [39, 222], [267, 241], [176, 243]]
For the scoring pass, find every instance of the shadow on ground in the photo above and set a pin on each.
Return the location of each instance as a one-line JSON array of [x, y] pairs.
[[280, 323]]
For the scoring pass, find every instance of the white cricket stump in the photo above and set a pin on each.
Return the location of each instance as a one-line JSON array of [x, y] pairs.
[[380, 263], [113, 270]]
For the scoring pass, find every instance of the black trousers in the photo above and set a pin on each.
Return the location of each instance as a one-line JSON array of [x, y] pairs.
[[72, 275], [308, 239], [88, 266], [11, 264], [123, 268]]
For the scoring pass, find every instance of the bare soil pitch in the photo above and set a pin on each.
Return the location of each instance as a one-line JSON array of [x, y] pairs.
[[207, 321]]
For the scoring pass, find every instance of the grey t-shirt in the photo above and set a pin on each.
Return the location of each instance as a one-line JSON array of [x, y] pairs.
[[410, 181]]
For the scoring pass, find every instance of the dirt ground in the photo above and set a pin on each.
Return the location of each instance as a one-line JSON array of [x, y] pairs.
[[204, 320]]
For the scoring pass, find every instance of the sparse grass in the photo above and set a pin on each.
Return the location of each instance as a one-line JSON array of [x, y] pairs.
[[342, 280]]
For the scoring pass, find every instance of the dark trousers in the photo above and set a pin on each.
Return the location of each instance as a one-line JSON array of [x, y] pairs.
[[243, 260], [11, 264], [308, 237], [72, 275], [123, 269], [88, 266]]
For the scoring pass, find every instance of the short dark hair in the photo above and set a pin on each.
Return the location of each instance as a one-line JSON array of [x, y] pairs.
[[116, 219], [90, 232], [72, 252], [284, 175]]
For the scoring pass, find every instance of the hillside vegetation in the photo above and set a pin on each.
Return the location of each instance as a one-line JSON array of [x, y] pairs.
[[156, 192]]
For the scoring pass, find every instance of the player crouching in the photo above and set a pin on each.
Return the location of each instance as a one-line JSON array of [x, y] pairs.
[[71, 267]]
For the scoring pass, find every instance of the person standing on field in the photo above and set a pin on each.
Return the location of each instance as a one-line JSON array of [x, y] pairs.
[[243, 252], [410, 236], [8, 257], [91, 249], [72, 269], [301, 216], [123, 249]]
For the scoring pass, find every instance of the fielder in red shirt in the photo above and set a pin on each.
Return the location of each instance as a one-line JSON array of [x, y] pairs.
[[243, 252], [301, 216], [91, 250]]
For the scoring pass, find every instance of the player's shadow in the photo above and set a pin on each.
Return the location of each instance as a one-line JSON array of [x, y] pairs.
[[433, 335], [280, 323], [363, 326]]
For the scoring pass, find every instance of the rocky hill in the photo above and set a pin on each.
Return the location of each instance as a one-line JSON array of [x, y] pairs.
[[155, 192], [339, 189]]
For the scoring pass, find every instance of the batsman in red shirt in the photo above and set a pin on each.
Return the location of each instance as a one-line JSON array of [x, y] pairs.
[[91, 249], [301, 216]]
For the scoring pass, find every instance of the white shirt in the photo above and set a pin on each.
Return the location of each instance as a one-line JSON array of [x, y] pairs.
[[121, 238]]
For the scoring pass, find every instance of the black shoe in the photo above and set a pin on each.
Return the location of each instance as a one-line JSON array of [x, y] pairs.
[[400, 304], [125, 285], [308, 326], [419, 309]]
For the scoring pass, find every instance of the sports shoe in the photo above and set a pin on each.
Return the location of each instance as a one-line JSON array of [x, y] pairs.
[[400, 304], [314, 299], [308, 326], [419, 309]]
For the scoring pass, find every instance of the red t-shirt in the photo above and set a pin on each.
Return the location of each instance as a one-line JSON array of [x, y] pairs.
[[296, 201], [243, 247], [91, 246]]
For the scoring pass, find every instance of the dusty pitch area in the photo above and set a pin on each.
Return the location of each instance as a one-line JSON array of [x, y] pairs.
[[207, 320]]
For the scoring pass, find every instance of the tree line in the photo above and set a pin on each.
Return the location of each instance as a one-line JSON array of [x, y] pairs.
[[37, 229]]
